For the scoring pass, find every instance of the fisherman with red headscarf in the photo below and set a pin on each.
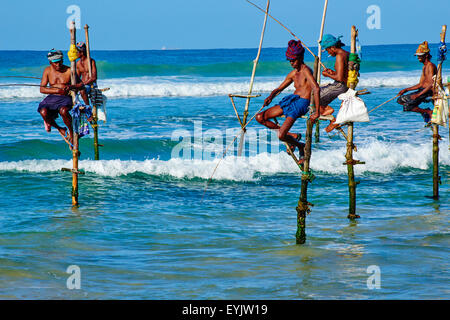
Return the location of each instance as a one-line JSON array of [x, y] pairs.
[[294, 105]]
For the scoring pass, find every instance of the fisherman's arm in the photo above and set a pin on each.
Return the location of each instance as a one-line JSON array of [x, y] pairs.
[[94, 73], [329, 73], [93, 78], [316, 94], [278, 90], [417, 86], [424, 91], [78, 86]]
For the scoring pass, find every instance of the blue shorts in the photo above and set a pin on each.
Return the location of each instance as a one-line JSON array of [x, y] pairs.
[[294, 106]]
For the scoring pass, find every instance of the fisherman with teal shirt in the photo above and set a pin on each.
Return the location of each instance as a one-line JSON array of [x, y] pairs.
[[331, 91]]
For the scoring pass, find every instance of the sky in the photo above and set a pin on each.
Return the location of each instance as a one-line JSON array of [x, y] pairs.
[[207, 24]]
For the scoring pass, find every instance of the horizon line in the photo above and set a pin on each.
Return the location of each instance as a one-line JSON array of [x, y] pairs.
[[200, 49]]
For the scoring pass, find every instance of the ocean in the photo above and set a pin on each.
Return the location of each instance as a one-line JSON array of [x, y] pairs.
[[147, 229]]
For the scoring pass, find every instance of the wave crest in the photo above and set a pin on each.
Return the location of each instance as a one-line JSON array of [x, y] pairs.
[[379, 157], [182, 87]]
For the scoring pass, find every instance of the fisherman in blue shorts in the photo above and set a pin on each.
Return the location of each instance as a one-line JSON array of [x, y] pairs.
[[294, 105]]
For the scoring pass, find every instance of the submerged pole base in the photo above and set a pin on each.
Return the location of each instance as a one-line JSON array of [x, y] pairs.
[[353, 216], [300, 235]]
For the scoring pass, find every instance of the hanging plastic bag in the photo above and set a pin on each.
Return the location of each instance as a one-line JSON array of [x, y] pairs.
[[101, 113], [353, 108], [99, 100], [80, 112], [440, 111]]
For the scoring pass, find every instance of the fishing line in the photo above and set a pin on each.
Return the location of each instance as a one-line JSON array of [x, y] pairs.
[[288, 31], [27, 85], [225, 152], [20, 77]]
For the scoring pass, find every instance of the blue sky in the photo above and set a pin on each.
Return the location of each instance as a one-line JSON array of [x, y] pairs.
[[203, 24]]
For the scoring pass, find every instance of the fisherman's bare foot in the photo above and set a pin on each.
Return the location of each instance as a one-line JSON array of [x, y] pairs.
[[48, 127], [291, 147], [326, 111], [333, 125], [297, 137], [63, 131], [427, 115]]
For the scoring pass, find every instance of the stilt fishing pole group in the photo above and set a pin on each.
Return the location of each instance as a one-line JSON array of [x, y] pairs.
[[94, 119], [78, 110], [304, 206]]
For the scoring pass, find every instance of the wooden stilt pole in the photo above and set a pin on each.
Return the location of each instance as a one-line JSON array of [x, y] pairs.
[[437, 84], [94, 107], [448, 120], [303, 204], [255, 63], [349, 155], [319, 54], [436, 178], [75, 153]]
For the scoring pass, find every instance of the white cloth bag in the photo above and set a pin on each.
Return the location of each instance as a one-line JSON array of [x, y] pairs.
[[353, 108], [440, 111], [101, 113]]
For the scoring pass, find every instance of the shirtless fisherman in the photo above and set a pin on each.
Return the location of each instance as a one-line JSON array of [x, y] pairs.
[[58, 101], [83, 68], [294, 105], [411, 102], [331, 91]]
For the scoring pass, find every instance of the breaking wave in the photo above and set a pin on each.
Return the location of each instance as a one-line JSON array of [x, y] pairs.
[[198, 87], [379, 157]]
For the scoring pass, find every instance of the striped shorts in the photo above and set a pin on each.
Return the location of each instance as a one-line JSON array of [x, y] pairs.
[[331, 91]]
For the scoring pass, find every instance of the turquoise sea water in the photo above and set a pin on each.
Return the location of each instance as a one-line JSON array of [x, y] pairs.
[[145, 228]]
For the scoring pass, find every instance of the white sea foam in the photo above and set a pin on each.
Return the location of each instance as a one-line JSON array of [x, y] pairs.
[[379, 157], [183, 87]]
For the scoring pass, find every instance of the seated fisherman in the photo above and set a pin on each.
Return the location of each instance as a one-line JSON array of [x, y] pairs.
[[294, 105], [58, 101], [83, 68], [411, 102], [331, 91]]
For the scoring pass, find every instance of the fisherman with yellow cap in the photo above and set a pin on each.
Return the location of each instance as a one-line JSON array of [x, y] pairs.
[[411, 102]]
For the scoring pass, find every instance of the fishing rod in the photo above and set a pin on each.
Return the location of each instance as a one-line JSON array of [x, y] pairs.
[[288, 31], [27, 85], [383, 104], [20, 77], [225, 152]]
